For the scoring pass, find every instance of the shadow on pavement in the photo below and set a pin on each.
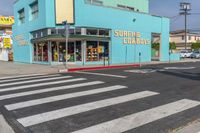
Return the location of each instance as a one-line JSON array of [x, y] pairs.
[[186, 75]]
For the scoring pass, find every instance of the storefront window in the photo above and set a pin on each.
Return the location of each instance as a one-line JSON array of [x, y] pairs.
[[104, 32], [35, 53], [45, 52], [62, 52], [71, 51], [78, 31], [103, 51], [40, 52], [92, 51], [78, 51], [92, 32], [97, 51], [54, 51]]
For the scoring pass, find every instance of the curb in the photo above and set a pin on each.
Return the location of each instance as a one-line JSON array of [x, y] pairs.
[[101, 67]]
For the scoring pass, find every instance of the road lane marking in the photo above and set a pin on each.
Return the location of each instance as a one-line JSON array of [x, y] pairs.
[[52, 115], [3, 97], [29, 78], [36, 80], [21, 76], [141, 118], [61, 97], [101, 74], [179, 68]]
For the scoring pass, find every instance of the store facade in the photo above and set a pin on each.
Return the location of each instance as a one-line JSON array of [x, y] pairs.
[[100, 32], [6, 38]]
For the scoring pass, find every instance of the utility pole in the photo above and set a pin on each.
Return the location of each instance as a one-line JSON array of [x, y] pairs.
[[184, 10]]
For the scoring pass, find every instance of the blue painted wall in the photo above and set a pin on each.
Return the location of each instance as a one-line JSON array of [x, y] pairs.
[[104, 17], [87, 15], [46, 18]]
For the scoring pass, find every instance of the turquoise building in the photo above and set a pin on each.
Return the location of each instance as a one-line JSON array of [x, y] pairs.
[[100, 32]]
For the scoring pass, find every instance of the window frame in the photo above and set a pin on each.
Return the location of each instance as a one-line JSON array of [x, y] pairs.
[[21, 16], [34, 10]]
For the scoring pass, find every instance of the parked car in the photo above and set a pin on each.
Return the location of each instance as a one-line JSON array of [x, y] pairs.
[[195, 54], [185, 54]]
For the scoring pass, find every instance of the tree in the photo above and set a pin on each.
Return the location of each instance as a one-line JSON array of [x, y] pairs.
[[156, 46], [195, 46], [172, 46]]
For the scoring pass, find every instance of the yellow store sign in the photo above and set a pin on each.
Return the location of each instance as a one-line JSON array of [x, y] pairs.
[[6, 20], [7, 42], [129, 37]]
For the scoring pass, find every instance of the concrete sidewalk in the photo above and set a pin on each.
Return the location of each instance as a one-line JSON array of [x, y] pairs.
[[193, 127], [4, 127]]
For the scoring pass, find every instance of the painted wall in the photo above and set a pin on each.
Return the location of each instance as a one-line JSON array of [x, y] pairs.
[[87, 15], [115, 19], [46, 18], [142, 5]]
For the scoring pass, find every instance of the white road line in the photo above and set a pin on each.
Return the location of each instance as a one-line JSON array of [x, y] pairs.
[[21, 76], [36, 80], [25, 78], [3, 97], [40, 84], [101, 74], [52, 115], [141, 118], [61, 97]]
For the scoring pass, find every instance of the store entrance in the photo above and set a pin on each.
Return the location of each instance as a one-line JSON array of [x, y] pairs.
[[59, 51], [155, 47]]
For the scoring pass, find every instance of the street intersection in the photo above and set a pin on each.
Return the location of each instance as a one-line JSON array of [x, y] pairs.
[[153, 99]]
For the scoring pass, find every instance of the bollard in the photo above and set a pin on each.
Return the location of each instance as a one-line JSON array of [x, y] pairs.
[[140, 59]]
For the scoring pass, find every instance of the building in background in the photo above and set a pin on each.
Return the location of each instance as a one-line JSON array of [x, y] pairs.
[[6, 23], [115, 32], [179, 38]]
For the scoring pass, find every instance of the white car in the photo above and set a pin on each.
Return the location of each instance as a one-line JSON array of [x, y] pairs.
[[185, 54]]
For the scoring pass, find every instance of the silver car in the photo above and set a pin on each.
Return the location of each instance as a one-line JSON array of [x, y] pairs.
[[195, 54]]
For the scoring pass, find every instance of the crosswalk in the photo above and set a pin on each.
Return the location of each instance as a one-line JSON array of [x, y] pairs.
[[25, 90]]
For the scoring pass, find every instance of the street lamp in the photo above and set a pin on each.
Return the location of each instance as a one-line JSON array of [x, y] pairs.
[[185, 8], [66, 41]]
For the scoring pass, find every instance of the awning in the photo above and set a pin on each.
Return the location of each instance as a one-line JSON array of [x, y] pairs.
[[61, 38]]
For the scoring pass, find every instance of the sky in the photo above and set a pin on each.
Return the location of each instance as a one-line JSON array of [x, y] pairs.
[[168, 8]]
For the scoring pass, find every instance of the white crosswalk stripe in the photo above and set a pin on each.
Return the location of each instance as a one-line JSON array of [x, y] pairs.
[[21, 76], [62, 97], [29, 78], [52, 115], [3, 97], [41, 84], [141, 118], [37, 80]]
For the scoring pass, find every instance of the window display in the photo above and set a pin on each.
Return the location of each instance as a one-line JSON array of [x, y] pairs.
[[54, 51], [92, 51], [71, 51], [78, 51], [62, 52], [97, 51], [40, 52]]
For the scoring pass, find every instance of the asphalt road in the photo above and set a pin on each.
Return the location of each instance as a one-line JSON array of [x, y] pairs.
[[153, 99]]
